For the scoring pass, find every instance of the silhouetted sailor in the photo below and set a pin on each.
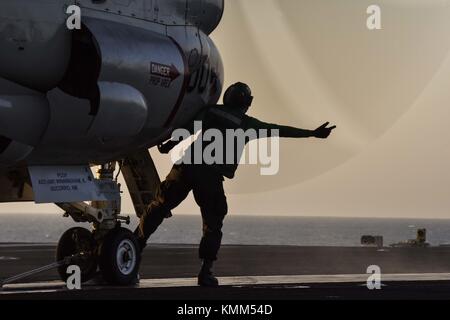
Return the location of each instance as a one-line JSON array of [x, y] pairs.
[[205, 179]]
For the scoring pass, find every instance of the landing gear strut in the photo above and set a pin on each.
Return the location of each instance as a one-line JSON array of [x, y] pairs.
[[113, 248]]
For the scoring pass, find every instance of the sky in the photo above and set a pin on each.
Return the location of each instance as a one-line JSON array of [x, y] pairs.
[[311, 61]]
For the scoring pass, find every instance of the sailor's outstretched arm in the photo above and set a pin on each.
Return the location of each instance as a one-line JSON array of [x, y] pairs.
[[321, 132]]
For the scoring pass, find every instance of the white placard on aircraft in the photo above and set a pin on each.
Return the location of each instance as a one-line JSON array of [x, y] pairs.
[[53, 184]]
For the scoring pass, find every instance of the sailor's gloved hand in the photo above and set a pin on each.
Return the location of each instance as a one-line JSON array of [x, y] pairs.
[[165, 148], [323, 131]]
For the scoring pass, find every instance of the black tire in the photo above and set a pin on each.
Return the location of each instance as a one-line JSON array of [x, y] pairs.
[[72, 242], [120, 257]]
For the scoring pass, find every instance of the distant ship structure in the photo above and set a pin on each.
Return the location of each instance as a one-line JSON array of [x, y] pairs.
[[420, 241], [372, 241], [377, 241]]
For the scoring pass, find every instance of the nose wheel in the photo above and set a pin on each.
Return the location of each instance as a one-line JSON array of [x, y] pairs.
[[120, 257], [79, 244]]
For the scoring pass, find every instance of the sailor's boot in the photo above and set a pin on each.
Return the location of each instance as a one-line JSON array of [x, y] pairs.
[[206, 277]]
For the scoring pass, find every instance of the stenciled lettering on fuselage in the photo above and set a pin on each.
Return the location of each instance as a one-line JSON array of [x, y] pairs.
[[163, 75]]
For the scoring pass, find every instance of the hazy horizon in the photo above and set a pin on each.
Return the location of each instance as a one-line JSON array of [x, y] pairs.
[[249, 216]]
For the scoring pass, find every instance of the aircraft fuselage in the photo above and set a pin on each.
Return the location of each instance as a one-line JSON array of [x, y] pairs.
[[133, 72]]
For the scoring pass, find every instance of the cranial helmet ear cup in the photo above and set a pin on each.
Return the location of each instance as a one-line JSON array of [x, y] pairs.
[[239, 95], [227, 96]]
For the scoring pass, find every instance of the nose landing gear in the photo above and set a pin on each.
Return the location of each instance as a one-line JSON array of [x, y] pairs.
[[109, 246]]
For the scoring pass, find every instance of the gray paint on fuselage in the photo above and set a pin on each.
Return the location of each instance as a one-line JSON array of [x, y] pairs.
[[129, 37]]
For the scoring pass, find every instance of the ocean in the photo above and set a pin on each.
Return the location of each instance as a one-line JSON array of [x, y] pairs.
[[242, 230]]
